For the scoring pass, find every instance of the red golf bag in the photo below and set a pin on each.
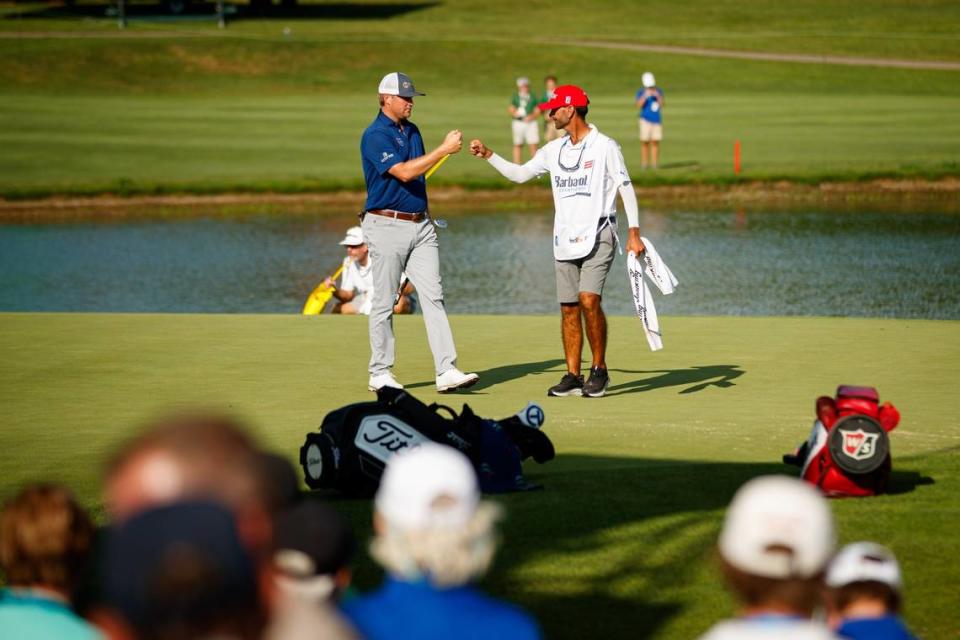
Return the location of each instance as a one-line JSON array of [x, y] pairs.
[[848, 452]]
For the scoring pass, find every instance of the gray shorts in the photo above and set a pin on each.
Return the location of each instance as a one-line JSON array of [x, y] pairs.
[[586, 274]]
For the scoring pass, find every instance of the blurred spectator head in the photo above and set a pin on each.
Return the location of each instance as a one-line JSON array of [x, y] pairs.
[[313, 547], [186, 456], [776, 540], [180, 571], [45, 539], [864, 572], [429, 520], [281, 484]]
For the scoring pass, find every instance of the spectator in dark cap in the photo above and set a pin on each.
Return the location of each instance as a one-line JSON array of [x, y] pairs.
[[313, 547], [45, 541], [209, 457], [179, 571]]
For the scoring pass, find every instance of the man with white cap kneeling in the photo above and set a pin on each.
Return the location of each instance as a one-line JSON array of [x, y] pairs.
[[434, 536], [355, 293], [774, 547]]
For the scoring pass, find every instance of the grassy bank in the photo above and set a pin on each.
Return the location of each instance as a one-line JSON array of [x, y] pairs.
[[620, 542], [923, 29], [193, 110]]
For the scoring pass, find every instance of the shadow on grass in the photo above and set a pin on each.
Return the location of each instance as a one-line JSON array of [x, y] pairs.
[[613, 547], [505, 373], [694, 379], [235, 12], [906, 481], [698, 378]]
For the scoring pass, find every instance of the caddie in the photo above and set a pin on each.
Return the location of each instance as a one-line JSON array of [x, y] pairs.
[[587, 171], [401, 236]]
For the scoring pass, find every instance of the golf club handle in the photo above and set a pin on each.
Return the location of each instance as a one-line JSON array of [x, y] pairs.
[[336, 274], [434, 168]]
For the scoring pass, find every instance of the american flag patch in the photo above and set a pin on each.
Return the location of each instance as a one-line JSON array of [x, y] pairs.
[[588, 164]]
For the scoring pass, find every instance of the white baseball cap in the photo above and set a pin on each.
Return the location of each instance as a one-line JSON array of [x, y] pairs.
[[430, 486], [523, 81], [864, 562], [398, 84], [778, 527], [648, 80], [353, 238]]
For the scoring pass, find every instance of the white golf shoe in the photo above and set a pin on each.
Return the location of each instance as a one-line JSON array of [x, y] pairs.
[[453, 379], [382, 380]]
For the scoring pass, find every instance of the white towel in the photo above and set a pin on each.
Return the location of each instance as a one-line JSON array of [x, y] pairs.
[[657, 270], [660, 274], [643, 303]]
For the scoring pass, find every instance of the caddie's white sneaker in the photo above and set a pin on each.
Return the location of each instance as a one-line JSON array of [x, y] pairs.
[[382, 380], [453, 379]]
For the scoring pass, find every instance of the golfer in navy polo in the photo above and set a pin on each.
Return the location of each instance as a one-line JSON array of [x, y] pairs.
[[401, 235]]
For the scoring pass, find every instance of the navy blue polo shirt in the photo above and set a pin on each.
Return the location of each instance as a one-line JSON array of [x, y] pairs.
[[383, 145]]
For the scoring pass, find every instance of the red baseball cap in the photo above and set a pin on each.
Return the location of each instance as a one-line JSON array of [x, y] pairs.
[[565, 95]]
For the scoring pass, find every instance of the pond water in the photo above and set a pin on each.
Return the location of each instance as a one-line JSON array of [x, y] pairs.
[[818, 263]]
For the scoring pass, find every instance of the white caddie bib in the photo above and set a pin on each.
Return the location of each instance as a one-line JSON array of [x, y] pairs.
[[577, 178]]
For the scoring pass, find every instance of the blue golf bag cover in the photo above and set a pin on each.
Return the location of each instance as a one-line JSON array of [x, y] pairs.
[[355, 442]]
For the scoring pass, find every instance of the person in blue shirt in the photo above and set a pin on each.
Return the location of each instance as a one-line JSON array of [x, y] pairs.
[[863, 594], [434, 536], [45, 541], [400, 234], [649, 100]]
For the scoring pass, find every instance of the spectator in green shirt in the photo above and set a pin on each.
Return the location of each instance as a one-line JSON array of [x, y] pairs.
[[523, 110]]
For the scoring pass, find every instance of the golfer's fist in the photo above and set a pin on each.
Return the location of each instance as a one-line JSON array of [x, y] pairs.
[[453, 142], [479, 149]]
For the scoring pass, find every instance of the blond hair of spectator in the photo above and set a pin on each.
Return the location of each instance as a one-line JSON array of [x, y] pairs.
[[429, 520]]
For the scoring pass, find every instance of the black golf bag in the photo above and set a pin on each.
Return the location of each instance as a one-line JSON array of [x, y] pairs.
[[355, 442]]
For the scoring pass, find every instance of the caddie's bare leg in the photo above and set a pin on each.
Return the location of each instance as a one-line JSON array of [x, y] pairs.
[[572, 332], [596, 325]]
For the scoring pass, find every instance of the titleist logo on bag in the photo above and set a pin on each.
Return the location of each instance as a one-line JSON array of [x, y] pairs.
[[382, 435]]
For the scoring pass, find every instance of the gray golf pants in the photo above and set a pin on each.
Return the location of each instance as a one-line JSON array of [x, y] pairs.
[[397, 246]]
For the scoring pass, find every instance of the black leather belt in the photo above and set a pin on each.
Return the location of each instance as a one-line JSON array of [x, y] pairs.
[[399, 215]]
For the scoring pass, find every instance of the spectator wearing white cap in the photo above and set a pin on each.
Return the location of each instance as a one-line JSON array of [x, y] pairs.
[[355, 293], [523, 110], [775, 544], [649, 100], [863, 593], [434, 536]]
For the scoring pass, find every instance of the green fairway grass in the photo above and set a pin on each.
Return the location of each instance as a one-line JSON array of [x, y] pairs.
[[619, 544], [194, 109]]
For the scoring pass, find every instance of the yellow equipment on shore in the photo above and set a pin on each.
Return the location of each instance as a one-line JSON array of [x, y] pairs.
[[320, 296]]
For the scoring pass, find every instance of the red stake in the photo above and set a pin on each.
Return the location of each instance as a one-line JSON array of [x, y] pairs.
[[736, 157]]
